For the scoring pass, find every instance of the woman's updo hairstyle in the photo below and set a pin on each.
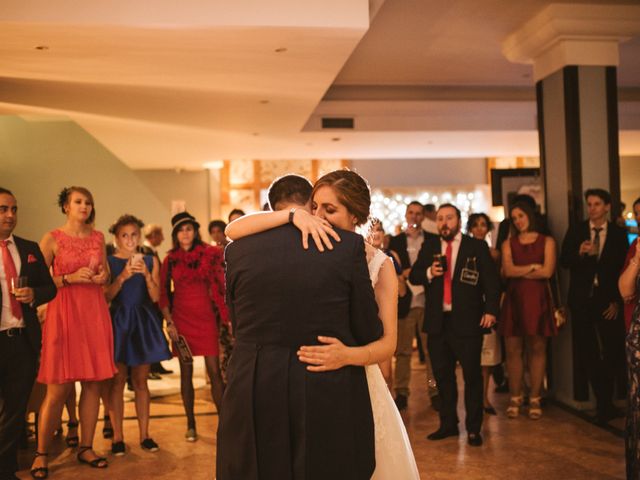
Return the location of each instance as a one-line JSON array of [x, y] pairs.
[[65, 195], [124, 220], [352, 191]]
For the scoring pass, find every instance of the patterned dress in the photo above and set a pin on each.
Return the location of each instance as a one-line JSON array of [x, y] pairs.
[[192, 286], [633, 409]]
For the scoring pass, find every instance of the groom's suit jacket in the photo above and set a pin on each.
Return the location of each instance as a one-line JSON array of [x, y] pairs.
[[278, 420]]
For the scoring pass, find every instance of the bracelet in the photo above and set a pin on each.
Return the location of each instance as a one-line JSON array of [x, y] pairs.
[[291, 212]]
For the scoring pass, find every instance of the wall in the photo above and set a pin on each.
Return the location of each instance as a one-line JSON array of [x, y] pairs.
[[39, 157], [423, 172], [629, 180]]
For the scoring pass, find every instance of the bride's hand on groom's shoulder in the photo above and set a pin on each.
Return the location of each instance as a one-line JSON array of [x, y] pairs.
[[319, 229], [322, 358]]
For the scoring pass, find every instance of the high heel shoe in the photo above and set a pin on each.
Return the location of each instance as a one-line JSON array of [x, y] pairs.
[[513, 410], [72, 441], [107, 430], [40, 472], [535, 409]]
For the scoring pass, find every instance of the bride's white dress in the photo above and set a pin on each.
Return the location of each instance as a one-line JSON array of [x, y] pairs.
[[394, 457]]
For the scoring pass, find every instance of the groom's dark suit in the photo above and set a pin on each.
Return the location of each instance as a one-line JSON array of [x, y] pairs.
[[19, 352], [278, 420]]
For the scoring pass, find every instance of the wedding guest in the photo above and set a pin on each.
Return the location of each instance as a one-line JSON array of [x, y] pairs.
[[526, 318], [191, 295], [429, 222], [594, 251], [19, 328], [629, 285], [478, 226], [630, 301], [236, 213], [77, 343], [137, 329], [216, 232]]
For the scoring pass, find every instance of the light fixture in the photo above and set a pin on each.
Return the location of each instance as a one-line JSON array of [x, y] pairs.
[[214, 165], [335, 139], [264, 102], [280, 50], [42, 47]]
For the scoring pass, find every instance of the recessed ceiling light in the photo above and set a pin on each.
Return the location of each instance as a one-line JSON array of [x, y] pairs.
[[264, 102], [255, 134], [42, 47], [281, 50], [335, 139]]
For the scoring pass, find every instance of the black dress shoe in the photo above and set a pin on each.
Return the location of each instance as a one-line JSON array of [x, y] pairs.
[[401, 402], [474, 439], [436, 402], [443, 433]]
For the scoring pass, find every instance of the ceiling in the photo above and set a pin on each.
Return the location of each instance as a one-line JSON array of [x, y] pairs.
[[168, 85]]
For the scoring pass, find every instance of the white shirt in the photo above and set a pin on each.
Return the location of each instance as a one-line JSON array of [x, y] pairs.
[[7, 320], [430, 226], [455, 248], [602, 234], [414, 244]]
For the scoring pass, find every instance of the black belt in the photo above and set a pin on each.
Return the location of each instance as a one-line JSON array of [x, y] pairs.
[[12, 332]]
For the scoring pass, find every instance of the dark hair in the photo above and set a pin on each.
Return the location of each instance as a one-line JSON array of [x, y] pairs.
[[217, 223], [236, 211], [352, 191], [524, 198], [429, 207], [451, 205], [473, 219], [635, 202], [289, 188], [529, 212], [196, 239], [598, 192], [4, 191], [65, 195], [125, 219], [415, 202]]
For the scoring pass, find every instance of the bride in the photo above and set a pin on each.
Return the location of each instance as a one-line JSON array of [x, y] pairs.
[[342, 199]]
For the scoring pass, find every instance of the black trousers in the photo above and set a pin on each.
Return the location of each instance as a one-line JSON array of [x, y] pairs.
[[600, 350], [17, 373], [445, 349]]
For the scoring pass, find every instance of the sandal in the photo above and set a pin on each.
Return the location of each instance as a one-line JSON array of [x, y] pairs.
[[535, 409], [107, 430], [72, 440], [513, 410], [40, 472], [98, 462]]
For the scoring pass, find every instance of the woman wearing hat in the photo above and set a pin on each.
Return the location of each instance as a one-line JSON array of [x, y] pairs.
[[192, 294]]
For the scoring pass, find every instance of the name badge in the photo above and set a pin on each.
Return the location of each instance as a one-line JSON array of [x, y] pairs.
[[470, 274]]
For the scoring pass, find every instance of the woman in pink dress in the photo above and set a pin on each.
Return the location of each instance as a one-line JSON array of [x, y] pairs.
[[528, 262], [77, 339], [192, 292]]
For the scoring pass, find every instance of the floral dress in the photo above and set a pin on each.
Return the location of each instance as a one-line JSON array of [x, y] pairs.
[[633, 409]]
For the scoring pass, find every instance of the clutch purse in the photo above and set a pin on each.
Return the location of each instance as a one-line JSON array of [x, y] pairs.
[[184, 352]]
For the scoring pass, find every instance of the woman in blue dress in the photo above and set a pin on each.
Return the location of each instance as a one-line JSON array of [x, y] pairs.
[[137, 329]]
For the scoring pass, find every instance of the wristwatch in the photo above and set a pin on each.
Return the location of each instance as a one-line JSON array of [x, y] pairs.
[[291, 212]]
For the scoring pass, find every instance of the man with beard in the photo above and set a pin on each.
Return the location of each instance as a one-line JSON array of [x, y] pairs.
[[462, 300]]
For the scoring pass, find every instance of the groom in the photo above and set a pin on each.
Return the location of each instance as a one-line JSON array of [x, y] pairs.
[[278, 420]]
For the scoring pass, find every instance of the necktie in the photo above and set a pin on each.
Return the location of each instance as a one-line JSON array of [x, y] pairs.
[[447, 274], [596, 240], [9, 273]]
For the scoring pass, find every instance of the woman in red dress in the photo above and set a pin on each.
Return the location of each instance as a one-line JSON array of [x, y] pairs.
[[192, 294], [528, 261], [77, 339]]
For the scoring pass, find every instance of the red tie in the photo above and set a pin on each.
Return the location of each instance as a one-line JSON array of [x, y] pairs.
[[9, 273], [447, 274]]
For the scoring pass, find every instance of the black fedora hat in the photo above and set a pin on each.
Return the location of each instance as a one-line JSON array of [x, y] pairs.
[[182, 218]]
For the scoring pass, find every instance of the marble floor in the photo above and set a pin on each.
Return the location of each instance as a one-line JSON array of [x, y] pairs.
[[559, 446]]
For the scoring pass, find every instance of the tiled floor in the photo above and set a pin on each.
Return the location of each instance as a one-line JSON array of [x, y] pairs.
[[559, 446]]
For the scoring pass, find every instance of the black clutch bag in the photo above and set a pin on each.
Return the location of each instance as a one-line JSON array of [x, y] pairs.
[[184, 352]]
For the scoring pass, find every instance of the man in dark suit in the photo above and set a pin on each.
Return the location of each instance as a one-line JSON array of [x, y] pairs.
[[407, 244], [462, 302], [20, 336], [594, 251], [279, 420]]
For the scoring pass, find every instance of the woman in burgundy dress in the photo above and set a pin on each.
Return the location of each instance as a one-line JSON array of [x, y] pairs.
[[192, 294], [526, 319]]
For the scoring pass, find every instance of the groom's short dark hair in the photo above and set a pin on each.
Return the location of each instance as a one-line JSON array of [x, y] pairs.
[[289, 188]]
